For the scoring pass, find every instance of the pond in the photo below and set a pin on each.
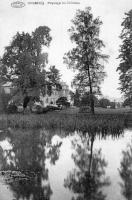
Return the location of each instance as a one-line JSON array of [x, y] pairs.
[[53, 165]]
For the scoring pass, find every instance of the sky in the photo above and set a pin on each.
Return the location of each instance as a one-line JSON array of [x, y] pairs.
[[58, 18]]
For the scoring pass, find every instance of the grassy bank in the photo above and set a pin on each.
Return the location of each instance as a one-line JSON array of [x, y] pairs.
[[69, 121]]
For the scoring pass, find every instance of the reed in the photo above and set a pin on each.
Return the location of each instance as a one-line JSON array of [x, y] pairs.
[[68, 122]]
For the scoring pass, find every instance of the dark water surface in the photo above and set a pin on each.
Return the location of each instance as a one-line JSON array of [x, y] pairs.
[[43, 165]]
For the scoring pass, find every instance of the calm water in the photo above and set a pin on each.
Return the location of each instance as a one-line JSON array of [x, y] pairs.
[[43, 165]]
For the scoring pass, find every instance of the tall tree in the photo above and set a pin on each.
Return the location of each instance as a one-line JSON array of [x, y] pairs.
[[86, 56], [125, 56], [23, 63]]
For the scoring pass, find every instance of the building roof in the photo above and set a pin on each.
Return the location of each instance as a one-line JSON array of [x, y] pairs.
[[7, 84]]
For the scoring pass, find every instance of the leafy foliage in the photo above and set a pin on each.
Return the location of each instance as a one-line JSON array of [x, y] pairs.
[[86, 57], [128, 102], [53, 79], [125, 56], [77, 97], [85, 100], [11, 108], [23, 62], [104, 102]]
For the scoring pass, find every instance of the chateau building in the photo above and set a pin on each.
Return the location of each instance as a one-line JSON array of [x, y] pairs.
[[47, 99], [7, 87], [51, 99]]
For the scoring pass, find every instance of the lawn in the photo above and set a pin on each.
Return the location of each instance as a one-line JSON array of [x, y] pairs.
[[75, 110]]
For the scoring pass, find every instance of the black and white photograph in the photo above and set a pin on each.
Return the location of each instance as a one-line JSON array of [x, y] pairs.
[[65, 100]]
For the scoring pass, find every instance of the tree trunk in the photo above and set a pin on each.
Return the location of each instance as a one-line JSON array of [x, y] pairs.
[[92, 102], [91, 92]]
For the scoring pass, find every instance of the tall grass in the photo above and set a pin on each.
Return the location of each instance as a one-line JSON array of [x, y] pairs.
[[70, 123]]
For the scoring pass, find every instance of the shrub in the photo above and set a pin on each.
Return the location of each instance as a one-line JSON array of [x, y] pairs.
[[11, 108], [62, 101], [39, 109], [45, 110]]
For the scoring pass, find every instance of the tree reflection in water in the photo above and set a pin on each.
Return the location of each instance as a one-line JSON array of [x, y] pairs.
[[27, 155], [126, 172], [87, 180]]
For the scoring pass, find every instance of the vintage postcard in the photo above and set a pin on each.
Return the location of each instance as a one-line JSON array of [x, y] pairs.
[[65, 100]]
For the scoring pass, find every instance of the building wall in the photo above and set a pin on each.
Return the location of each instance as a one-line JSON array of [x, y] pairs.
[[46, 100], [7, 88], [51, 100]]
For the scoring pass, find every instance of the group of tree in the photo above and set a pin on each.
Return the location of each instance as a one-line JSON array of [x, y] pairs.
[[105, 103], [125, 56], [84, 100], [86, 59], [23, 64]]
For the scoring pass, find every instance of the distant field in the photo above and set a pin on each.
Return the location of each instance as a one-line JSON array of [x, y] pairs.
[[112, 111], [75, 110]]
